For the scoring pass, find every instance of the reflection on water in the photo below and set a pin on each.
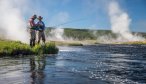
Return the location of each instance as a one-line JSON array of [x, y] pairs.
[[98, 64], [37, 69]]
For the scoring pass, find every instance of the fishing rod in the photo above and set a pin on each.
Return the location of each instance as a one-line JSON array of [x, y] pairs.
[[73, 21]]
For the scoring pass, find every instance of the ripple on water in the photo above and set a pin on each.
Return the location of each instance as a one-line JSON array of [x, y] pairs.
[[100, 64]]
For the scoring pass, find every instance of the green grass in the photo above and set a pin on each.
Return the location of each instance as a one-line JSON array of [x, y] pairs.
[[48, 48], [12, 48]]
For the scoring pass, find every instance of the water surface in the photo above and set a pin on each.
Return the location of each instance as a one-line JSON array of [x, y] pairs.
[[97, 64]]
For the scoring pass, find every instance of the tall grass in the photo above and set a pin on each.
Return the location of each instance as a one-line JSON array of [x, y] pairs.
[[11, 48], [48, 48]]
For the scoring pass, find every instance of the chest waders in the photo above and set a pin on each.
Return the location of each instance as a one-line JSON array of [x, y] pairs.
[[32, 37]]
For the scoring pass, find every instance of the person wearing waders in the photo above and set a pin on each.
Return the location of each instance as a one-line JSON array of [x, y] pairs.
[[41, 28], [32, 28]]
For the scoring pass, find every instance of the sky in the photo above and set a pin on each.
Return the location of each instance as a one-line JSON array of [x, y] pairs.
[[91, 14]]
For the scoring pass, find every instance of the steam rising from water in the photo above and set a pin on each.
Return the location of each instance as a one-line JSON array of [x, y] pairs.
[[120, 23], [12, 24], [56, 34]]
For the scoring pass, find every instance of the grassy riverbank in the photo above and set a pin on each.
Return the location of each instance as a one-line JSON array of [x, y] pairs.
[[68, 43], [94, 42], [76, 43], [11, 48], [135, 42]]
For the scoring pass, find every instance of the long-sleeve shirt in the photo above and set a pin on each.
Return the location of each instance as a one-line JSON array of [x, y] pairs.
[[41, 25]]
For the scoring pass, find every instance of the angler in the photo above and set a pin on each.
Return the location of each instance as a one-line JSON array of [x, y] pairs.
[[41, 28], [32, 30]]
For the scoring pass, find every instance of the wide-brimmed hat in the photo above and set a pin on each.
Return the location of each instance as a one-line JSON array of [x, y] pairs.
[[40, 17]]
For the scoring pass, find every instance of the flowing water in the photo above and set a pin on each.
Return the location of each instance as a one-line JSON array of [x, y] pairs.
[[98, 64]]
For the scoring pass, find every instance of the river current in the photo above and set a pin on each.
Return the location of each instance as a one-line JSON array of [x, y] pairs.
[[91, 64]]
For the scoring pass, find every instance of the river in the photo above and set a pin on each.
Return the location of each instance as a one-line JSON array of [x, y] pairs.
[[91, 64]]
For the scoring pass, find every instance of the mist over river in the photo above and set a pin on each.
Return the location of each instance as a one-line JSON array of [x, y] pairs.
[[92, 64]]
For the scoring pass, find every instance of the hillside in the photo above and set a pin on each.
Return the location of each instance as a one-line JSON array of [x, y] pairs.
[[87, 34]]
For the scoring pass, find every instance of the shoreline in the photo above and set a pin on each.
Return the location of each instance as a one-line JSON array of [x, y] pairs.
[[14, 48], [94, 42]]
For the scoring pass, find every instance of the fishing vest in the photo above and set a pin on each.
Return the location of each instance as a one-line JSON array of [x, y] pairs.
[[41, 25]]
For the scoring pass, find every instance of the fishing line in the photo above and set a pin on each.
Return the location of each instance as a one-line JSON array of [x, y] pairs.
[[73, 21]]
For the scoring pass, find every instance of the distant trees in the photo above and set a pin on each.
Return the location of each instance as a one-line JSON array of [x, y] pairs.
[[80, 34]]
